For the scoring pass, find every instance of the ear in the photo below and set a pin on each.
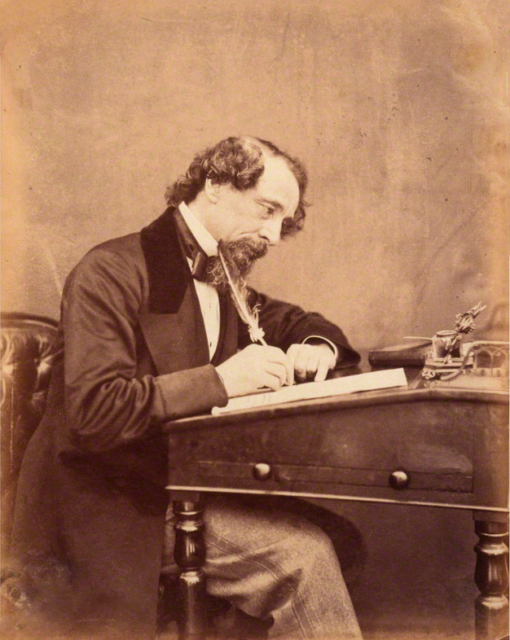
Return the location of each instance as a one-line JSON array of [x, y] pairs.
[[212, 190]]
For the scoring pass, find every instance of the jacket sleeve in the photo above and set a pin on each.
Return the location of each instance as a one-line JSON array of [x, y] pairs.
[[285, 324], [106, 405]]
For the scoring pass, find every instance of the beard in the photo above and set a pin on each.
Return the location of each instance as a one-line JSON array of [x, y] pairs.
[[240, 256]]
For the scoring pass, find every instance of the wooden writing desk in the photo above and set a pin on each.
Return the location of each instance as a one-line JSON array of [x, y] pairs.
[[445, 448]]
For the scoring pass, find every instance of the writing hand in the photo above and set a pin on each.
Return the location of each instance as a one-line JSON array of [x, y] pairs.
[[311, 360], [254, 367]]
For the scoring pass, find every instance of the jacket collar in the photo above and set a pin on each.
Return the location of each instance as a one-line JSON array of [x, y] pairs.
[[173, 305], [167, 269]]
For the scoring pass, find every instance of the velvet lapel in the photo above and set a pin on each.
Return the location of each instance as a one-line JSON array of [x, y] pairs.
[[227, 342], [173, 328], [168, 273]]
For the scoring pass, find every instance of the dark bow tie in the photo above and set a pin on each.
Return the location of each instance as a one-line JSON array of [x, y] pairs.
[[199, 266], [192, 249]]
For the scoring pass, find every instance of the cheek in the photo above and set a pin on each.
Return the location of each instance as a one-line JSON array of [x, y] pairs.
[[246, 224], [243, 231]]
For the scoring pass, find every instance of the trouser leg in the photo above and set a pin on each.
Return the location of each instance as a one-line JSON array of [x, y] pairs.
[[275, 565]]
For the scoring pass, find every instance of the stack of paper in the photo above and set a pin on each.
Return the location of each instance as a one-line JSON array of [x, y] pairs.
[[337, 386]]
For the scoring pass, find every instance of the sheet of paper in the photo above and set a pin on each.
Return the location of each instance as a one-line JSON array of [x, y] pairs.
[[337, 386]]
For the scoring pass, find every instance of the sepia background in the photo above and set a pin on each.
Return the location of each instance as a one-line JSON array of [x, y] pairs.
[[400, 110]]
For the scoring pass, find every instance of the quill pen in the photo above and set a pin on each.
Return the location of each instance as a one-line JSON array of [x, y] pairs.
[[239, 297]]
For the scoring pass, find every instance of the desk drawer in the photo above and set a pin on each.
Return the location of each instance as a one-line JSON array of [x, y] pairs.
[[259, 475], [431, 451]]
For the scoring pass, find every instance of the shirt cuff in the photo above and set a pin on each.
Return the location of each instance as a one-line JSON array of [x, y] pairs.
[[333, 346]]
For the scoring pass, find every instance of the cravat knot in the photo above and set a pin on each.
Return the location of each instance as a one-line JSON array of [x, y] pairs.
[[199, 267], [192, 249]]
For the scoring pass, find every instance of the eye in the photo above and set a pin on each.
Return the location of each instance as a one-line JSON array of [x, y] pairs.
[[266, 211]]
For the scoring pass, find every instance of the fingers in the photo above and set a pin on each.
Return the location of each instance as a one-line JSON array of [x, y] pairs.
[[258, 366], [276, 375], [304, 360], [276, 356], [290, 372], [252, 368], [322, 370], [270, 361], [306, 365], [271, 382], [311, 361], [292, 353]]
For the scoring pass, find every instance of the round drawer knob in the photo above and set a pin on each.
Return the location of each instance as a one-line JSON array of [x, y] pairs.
[[399, 479], [261, 471]]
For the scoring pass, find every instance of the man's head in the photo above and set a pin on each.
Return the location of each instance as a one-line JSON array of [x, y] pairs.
[[247, 193]]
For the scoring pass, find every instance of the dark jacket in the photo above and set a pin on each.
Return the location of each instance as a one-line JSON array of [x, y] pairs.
[[91, 501]]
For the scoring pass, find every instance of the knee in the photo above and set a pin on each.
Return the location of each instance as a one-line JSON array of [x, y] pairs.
[[305, 557], [311, 549]]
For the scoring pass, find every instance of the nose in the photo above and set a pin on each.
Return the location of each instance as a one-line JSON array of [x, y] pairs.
[[271, 231]]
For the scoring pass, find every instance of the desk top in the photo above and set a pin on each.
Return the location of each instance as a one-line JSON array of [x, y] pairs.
[[416, 392], [449, 444]]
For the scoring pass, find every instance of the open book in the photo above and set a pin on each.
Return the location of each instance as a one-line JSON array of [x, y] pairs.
[[337, 386]]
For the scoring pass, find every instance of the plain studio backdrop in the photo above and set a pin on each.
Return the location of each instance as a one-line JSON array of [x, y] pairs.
[[400, 111]]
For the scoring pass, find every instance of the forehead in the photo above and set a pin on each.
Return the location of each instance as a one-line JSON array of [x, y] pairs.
[[278, 185]]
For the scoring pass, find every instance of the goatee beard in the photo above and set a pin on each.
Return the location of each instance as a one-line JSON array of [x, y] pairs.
[[240, 256]]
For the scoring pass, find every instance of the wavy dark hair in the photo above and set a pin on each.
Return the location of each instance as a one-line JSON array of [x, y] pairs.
[[238, 161]]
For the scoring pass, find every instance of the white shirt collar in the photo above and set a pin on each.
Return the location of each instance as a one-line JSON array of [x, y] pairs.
[[202, 236]]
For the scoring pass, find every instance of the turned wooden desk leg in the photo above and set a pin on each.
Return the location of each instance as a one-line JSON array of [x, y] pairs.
[[491, 577], [189, 555]]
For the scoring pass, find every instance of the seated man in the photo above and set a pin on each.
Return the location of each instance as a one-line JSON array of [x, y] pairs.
[[148, 334]]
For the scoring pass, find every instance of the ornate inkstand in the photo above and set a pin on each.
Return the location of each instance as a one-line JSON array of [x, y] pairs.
[[478, 364]]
